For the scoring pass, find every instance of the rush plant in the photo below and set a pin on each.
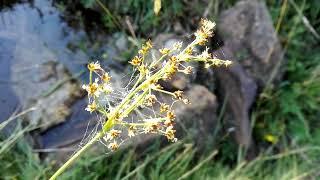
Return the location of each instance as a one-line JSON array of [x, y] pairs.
[[120, 117]]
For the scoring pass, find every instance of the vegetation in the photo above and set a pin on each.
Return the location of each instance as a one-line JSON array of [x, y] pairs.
[[129, 114], [290, 113], [286, 126]]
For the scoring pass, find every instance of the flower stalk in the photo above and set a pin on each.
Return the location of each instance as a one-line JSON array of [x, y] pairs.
[[121, 114]]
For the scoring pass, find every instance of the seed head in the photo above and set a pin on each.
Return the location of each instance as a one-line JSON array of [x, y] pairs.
[[205, 54], [188, 70], [106, 78], [170, 134], [131, 131], [113, 134], [92, 89], [177, 45], [164, 51], [189, 51], [178, 94], [171, 115], [164, 107], [93, 66], [91, 107], [205, 31], [136, 61], [152, 128], [113, 146], [150, 100], [227, 63], [186, 101], [145, 48]]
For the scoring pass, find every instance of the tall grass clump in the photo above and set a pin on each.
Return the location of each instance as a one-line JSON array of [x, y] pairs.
[[119, 116], [16, 156]]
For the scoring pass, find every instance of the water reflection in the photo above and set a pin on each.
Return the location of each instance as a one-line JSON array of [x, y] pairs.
[[31, 37]]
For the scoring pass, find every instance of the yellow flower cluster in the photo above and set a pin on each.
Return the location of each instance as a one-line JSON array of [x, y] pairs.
[[120, 119], [205, 31], [101, 85]]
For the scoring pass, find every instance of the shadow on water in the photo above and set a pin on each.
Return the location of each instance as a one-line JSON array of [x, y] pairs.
[[72, 130], [9, 102], [33, 34]]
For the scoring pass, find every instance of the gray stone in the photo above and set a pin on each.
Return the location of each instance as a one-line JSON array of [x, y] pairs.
[[247, 30], [121, 41], [199, 117], [251, 43], [239, 91]]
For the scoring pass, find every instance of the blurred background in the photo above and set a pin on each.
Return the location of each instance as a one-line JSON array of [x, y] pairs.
[[258, 119]]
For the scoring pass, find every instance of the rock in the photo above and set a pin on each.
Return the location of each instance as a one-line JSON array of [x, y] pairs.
[[52, 104], [239, 90], [177, 27], [251, 43], [195, 120], [199, 117], [121, 41], [247, 30]]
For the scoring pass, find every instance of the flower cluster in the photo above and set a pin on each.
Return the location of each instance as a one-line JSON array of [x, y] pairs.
[[101, 85], [121, 118], [126, 116]]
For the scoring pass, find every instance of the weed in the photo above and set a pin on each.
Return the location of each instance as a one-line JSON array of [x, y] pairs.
[[119, 117], [16, 156]]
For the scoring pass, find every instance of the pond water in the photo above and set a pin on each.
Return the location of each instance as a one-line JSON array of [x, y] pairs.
[[33, 34]]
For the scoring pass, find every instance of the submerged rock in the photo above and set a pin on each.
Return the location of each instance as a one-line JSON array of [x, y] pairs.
[[54, 102], [39, 64]]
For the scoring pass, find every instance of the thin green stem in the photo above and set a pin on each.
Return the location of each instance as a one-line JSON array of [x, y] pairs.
[[138, 81], [163, 91], [76, 156], [156, 62], [108, 125], [135, 104], [145, 122]]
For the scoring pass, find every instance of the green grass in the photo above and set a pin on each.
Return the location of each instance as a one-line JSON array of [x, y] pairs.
[[143, 18], [182, 161], [16, 156], [291, 112], [178, 160]]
